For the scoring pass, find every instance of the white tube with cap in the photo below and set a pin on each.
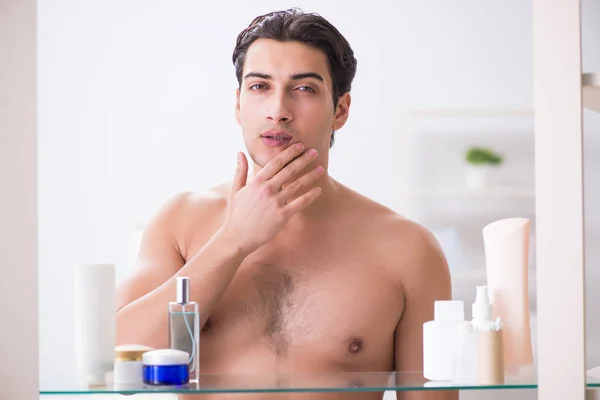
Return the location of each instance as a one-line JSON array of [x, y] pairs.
[[94, 321]]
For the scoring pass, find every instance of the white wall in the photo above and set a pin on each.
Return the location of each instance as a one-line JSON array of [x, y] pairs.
[[136, 103]]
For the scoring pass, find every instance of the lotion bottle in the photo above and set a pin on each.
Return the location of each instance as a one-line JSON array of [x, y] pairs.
[[439, 339], [490, 355]]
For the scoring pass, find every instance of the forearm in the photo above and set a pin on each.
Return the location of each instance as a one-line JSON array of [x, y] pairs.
[[210, 270]]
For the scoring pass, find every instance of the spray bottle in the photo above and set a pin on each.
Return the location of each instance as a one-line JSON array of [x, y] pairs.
[[482, 310]]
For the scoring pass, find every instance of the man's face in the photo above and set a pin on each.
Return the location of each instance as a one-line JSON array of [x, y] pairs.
[[286, 97]]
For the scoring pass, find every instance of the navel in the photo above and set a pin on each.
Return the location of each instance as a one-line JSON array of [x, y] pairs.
[[355, 345]]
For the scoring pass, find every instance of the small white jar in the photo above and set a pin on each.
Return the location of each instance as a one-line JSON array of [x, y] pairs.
[[128, 369]]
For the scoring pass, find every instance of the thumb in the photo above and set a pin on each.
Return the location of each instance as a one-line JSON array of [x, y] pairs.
[[241, 173]]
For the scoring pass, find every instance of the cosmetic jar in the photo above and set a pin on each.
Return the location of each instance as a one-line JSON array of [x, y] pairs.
[[166, 367], [128, 368]]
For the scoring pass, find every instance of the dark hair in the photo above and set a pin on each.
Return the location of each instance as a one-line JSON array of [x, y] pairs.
[[308, 28]]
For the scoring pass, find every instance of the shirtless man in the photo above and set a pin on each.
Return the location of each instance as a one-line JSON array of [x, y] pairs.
[[293, 272]]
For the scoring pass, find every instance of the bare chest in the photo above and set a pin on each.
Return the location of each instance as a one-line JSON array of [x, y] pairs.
[[337, 307]]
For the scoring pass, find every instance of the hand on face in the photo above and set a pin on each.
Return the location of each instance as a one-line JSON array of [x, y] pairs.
[[258, 210]]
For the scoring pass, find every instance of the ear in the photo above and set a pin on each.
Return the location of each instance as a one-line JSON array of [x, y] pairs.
[[237, 106], [342, 111]]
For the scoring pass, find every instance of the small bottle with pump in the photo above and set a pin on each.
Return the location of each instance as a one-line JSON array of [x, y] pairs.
[[490, 355], [489, 341], [184, 326], [482, 310]]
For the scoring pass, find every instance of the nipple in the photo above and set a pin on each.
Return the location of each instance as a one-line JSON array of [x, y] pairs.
[[355, 345]]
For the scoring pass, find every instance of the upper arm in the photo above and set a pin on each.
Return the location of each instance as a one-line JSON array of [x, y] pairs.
[[159, 256], [184, 223], [425, 279]]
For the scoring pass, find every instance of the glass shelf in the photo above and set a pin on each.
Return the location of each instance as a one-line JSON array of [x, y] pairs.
[[334, 382]]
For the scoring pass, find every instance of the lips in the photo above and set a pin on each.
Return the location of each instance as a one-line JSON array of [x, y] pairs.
[[276, 138], [277, 135]]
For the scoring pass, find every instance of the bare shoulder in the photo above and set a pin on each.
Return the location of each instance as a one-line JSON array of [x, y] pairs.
[[407, 247], [416, 256], [191, 216], [184, 207]]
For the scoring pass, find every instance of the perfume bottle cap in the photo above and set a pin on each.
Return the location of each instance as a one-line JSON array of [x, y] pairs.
[[183, 290]]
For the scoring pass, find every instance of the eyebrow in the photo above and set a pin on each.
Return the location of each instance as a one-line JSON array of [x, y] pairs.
[[294, 77]]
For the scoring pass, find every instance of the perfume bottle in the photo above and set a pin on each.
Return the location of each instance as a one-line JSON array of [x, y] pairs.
[[184, 326]]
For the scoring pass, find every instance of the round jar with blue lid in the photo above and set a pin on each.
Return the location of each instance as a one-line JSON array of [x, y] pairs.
[[166, 367]]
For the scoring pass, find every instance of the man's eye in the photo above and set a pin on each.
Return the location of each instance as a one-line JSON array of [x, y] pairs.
[[306, 89], [258, 86]]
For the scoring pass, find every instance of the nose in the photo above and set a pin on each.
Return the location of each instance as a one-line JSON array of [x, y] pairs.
[[279, 111]]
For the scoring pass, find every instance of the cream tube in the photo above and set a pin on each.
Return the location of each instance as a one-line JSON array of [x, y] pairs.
[[94, 321], [506, 245]]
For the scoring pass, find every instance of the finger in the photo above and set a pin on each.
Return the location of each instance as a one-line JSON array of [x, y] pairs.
[[292, 188], [280, 161], [294, 168], [302, 202], [241, 173]]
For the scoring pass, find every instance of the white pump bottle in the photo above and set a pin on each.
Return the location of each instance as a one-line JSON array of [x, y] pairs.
[[483, 318]]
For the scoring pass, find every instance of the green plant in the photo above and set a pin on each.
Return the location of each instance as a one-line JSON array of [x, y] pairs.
[[481, 156]]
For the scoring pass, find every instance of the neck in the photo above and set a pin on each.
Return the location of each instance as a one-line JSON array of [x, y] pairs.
[[319, 209], [321, 206]]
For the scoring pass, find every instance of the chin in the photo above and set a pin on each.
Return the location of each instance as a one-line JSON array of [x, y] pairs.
[[261, 158], [263, 155]]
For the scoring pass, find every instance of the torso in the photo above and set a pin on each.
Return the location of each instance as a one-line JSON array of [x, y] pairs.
[[321, 299]]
